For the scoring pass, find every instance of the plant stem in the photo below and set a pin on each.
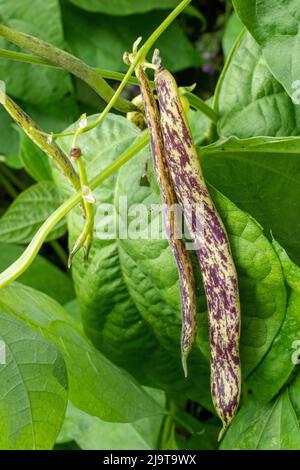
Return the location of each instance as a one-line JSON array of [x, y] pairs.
[[60, 252], [140, 55], [34, 133], [194, 100], [25, 260], [33, 59], [213, 131], [197, 103], [68, 62]]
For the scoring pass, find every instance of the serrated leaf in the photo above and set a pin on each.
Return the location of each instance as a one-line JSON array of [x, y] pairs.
[[28, 211], [96, 385], [33, 388]]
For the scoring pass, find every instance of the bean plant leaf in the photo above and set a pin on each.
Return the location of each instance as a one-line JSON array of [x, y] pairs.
[[274, 24], [96, 386], [34, 160], [251, 102], [137, 323], [294, 392], [90, 37], [55, 116], [33, 387], [278, 365], [123, 7], [91, 433], [27, 213], [41, 275], [232, 29], [9, 140], [39, 85], [272, 426]]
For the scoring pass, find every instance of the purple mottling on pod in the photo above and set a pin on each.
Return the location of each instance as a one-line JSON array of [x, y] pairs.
[[212, 248], [185, 269]]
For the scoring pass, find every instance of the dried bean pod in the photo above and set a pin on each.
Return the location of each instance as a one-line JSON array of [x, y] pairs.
[[212, 248], [34, 133], [185, 269]]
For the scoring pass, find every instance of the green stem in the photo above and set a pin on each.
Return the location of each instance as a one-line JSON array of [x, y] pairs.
[[60, 252], [197, 103], [213, 131], [25, 260], [33, 59], [140, 55], [34, 133], [68, 62], [8, 187]]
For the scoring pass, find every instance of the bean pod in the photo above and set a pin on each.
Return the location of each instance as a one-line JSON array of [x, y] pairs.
[[35, 134], [211, 245], [185, 269]]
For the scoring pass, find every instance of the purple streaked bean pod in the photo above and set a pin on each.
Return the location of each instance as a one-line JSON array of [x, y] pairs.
[[185, 269], [211, 245]]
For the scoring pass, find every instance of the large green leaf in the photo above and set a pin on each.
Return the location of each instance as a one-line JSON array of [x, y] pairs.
[[275, 26], [91, 433], [151, 274], [250, 100], [278, 365], [28, 211], [96, 386], [41, 275], [9, 136], [294, 391], [55, 116], [110, 316], [137, 323], [232, 29], [33, 387], [90, 37], [37, 85], [34, 160], [264, 427], [124, 7], [255, 174]]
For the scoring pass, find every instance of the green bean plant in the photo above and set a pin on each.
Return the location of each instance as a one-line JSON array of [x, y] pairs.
[[120, 342]]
